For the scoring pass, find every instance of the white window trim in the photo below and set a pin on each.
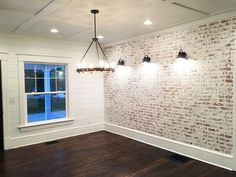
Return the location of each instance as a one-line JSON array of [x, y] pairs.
[[46, 122], [23, 124]]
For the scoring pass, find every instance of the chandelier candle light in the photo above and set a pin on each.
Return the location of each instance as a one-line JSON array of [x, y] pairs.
[[103, 65]]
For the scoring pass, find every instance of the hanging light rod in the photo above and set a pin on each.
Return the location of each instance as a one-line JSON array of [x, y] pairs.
[[103, 65]]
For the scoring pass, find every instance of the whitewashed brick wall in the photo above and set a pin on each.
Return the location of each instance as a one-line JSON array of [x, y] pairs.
[[188, 101]]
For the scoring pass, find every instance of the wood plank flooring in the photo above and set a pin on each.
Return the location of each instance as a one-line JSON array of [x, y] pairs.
[[100, 154]]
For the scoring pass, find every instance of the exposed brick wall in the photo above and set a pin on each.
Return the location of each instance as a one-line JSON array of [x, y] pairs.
[[191, 101]]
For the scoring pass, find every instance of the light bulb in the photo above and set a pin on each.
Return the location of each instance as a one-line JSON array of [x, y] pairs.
[[101, 63], [113, 64], [54, 30], [100, 37], [79, 65], [83, 64], [107, 65], [148, 22], [91, 65]]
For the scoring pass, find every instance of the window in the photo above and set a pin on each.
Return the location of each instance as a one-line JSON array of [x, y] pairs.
[[45, 92]]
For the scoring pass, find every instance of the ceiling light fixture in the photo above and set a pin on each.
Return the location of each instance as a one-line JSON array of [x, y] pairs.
[[100, 37], [54, 30], [147, 22], [146, 59], [103, 65], [182, 55]]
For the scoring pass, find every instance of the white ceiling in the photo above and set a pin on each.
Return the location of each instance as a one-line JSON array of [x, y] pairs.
[[117, 20]]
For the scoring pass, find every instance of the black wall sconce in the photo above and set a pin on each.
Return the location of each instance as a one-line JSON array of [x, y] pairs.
[[121, 62], [146, 59], [182, 54]]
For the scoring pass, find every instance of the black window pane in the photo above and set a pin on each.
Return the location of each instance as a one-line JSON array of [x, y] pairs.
[[56, 105], [40, 68], [53, 85], [60, 71], [61, 86], [36, 108], [29, 70], [58, 102], [29, 85], [52, 71], [40, 85]]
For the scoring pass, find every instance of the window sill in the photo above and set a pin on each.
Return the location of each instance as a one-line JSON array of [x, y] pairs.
[[44, 124]]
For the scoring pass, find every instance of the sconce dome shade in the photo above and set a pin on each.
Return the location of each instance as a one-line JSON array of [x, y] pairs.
[[121, 62], [146, 59], [182, 54]]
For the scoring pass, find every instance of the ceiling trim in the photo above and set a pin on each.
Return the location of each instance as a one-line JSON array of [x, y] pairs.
[[171, 28], [189, 8], [44, 7], [41, 14]]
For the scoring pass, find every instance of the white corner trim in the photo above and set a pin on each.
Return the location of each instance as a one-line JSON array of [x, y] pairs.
[[52, 135], [198, 153], [234, 109]]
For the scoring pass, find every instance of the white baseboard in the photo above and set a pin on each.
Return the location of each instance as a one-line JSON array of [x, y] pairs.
[[198, 153], [52, 135]]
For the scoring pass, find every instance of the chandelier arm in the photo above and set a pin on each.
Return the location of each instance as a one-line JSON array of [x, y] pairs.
[[87, 51], [103, 53], [97, 50]]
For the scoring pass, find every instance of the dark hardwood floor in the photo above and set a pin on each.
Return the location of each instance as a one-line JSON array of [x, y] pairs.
[[100, 154]]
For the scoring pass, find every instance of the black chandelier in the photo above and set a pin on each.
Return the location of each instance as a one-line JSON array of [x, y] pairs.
[[102, 65]]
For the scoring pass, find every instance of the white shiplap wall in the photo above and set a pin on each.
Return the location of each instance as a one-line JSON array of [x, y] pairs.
[[86, 101]]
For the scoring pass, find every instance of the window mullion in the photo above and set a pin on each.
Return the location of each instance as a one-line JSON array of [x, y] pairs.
[[35, 79], [56, 78], [40, 93], [47, 89]]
